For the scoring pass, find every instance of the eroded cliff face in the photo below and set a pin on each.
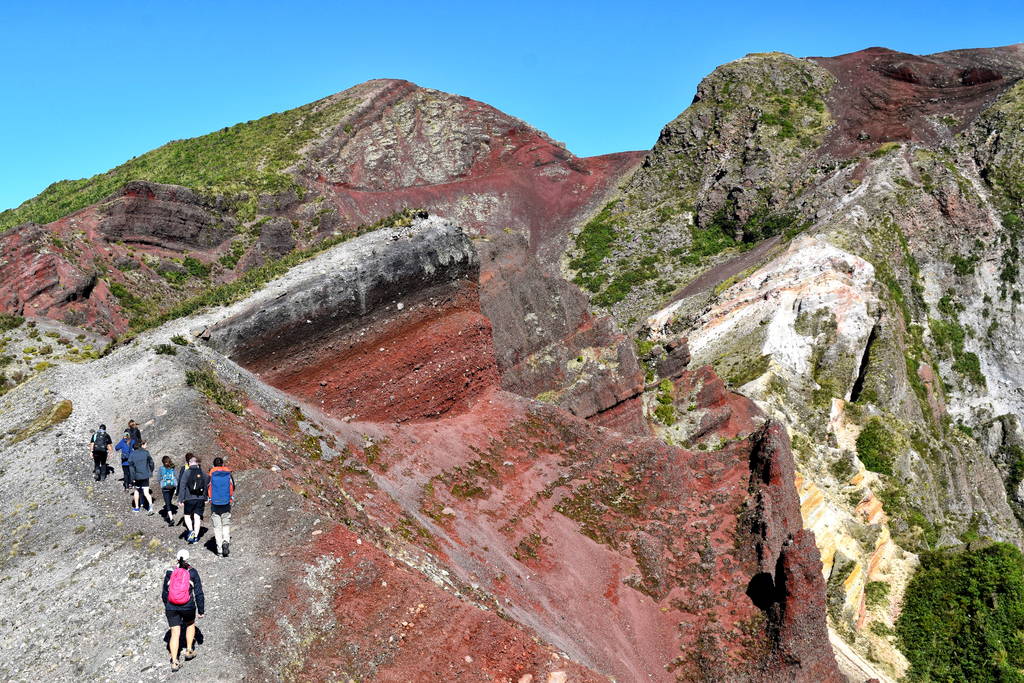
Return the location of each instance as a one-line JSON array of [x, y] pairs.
[[887, 316]]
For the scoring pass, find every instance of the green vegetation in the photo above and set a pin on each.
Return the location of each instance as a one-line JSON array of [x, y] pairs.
[[207, 383], [58, 412], [9, 322], [240, 161], [963, 616], [165, 350], [594, 244], [665, 413], [950, 335], [876, 447], [725, 230], [179, 340], [876, 593]]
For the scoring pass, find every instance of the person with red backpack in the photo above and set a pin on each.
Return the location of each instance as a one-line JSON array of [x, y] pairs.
[[183, 598], [221, 492]]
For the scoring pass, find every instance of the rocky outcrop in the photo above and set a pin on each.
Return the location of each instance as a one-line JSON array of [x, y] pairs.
[[166, 216]]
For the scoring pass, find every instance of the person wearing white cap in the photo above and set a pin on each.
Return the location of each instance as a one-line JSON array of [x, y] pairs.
[[183, 601]]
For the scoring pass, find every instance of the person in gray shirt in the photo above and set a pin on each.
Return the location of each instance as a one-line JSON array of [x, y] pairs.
[[140, 465]]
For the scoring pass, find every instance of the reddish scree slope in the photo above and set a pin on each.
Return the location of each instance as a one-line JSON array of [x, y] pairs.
[[884, 95], [638, 560]]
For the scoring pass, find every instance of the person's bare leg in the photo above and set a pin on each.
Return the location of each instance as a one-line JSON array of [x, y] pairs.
[[135, 498], [197, 523], [190, 638], [149, 498], [188, 521], [172, 646]]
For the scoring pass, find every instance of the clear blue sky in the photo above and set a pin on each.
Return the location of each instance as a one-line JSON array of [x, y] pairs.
[[87, 85]]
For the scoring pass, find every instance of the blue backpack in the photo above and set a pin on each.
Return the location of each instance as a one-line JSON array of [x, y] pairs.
[[168, 480], [220, 487]]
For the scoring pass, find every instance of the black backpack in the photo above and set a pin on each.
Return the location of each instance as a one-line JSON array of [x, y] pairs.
[[100, 441], [195, 484]]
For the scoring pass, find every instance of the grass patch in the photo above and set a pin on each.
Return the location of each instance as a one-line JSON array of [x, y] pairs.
[[240, 161], [9, 321], [205, 382], [665, 412], [963, 616], [593, 245], [58, 412], [165, 350]]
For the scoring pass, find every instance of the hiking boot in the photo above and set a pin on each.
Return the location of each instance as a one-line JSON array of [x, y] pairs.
[[189, 654], [150, 512], [227, 549], [135, 509]]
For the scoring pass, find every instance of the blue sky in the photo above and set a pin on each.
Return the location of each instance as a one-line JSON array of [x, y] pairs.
[[87, 85]]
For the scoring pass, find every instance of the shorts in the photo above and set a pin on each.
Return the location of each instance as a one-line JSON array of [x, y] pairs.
[[195, 507], [177, 617], [142, 483]]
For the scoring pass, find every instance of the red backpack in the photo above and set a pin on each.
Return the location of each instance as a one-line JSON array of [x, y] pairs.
[[179, 587]]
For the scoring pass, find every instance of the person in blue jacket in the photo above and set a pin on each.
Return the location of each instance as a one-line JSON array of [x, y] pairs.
[[126, 445]]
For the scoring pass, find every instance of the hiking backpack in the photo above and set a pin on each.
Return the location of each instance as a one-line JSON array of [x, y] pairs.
[[167, 478], [179, 587], [195, 484], [220, 487], [99, 441]]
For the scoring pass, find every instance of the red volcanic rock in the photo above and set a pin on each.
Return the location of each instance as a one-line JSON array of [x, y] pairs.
[[883, 95], [40, 280]]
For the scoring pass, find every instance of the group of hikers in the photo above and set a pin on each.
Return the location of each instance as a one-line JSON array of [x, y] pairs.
[[182, 591]]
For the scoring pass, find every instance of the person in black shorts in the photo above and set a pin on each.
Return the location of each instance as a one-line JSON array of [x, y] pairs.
[[140, 466], [192, 485], [183, 614]]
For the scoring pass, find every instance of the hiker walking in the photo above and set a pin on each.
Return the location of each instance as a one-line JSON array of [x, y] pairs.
[[183, 598], [168, 484], [140, 465], [192, 494], [126, 445], [100, 445], [221, 492]]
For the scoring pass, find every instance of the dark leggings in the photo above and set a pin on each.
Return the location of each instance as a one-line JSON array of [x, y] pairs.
[[168, 498], [127, 476], [99, 465]]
